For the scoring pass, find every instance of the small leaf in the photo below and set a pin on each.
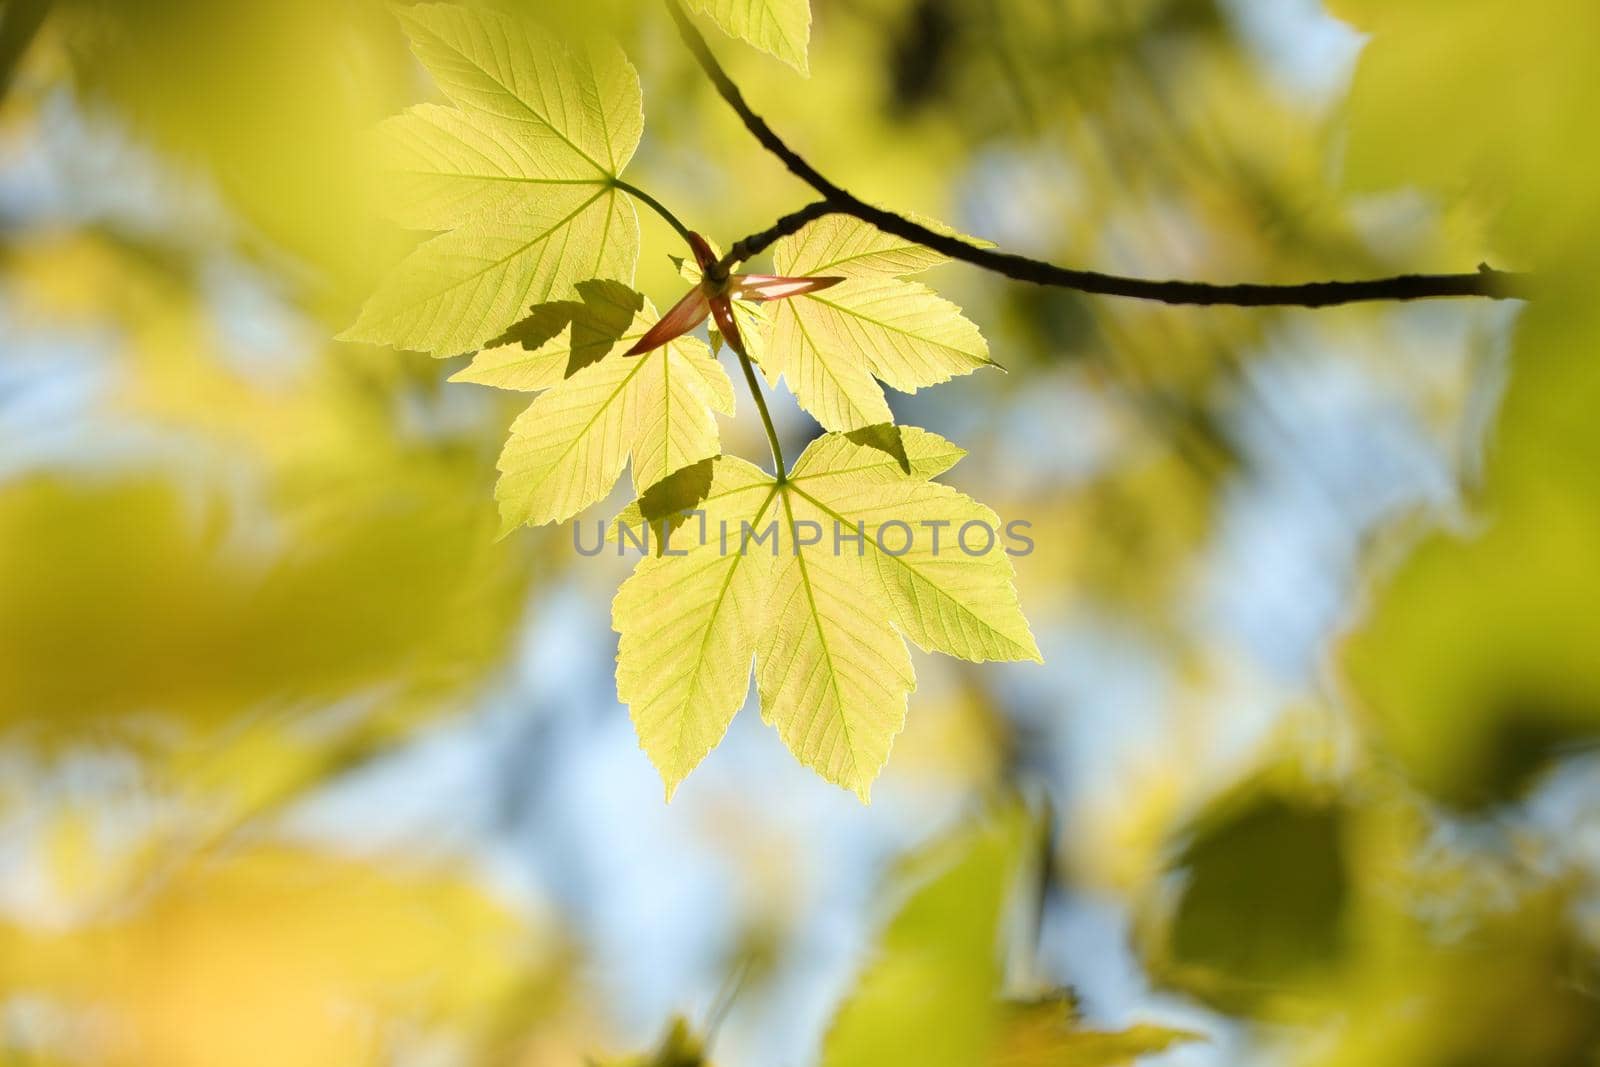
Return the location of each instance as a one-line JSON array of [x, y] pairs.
[[831, 344], [838, 244], [778, 27], [1261, 914], [528, 356], [1048, 1034], [568, 449], [937, 966]]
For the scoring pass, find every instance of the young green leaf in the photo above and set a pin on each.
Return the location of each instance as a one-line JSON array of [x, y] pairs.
[[832, 344], [521, 173], [779, 27], [688, 627], [808, 575], [557, 339], [834, 676], [951, 591], [568, 449]]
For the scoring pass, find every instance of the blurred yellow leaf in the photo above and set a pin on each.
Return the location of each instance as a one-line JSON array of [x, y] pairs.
[[279, 956], [1490, 100]]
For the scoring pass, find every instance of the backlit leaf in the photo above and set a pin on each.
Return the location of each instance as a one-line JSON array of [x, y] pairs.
[[832, 344], [568, 449], [937, 967], [779, 27], [521, 173], [794, 574], [688, 628]]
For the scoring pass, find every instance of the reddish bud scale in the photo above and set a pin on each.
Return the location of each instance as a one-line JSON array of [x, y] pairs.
[[708, 299]]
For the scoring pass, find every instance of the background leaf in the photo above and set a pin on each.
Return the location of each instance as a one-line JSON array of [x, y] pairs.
[[779, 27]]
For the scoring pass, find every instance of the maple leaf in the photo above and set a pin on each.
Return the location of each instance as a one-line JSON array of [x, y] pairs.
[[522, 174], [831, 345], [598, 409], [822, 615], [778, 27]]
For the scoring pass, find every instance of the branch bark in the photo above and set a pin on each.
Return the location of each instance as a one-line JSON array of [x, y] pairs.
[[1484, 283]]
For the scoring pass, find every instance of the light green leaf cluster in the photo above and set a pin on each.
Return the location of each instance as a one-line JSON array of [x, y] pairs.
[[779, 27], [833, 346], [521, 173], [521, 177], [825, 617]]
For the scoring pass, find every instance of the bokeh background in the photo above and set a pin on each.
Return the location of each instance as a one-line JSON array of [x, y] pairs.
[[299, 765]]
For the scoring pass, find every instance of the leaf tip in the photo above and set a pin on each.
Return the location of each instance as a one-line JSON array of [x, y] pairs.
[[509, 524]]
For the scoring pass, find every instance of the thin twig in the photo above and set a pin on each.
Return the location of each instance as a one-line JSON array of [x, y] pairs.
[[1486, 283], [782, 469], [654, 205], [787, 226]]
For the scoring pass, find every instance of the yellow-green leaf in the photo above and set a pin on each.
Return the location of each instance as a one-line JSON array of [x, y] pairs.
[[952, 588], [1048, 1033], [559, 339], [838, 245], [688, 626], [832, 668], [834, 676], [939, 966], [568, 449], [521, 173], [779, 27], [831, 345]]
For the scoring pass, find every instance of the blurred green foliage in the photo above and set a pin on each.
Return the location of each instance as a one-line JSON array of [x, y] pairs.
[[257, 567]]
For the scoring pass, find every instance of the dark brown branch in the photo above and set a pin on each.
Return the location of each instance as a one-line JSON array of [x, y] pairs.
[[787, 226], [1491, 284]]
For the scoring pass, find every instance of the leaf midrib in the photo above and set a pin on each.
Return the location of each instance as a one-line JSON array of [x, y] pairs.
[[892, 328], [520, 250], [816, 619]]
